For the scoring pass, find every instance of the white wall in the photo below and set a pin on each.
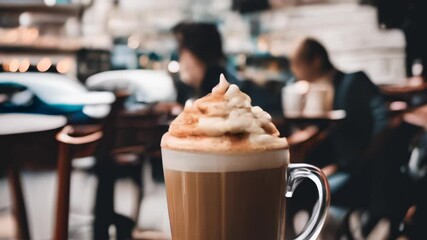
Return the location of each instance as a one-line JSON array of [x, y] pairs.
[[349, 31]]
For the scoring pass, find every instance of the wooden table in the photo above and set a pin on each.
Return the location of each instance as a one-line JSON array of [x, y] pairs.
[[411, 94], [417, 116], [300, 120], [304, 131], [334, 115], [401, 90], [18, 123], [25, 129]]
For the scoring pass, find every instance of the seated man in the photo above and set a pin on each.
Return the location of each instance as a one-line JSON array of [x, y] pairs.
[[366, 111], [341, 154]]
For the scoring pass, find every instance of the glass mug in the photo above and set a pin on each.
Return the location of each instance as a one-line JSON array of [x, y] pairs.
[[237, 196]]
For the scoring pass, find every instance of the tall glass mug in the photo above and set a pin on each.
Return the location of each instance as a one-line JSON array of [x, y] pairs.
[[237, 196]]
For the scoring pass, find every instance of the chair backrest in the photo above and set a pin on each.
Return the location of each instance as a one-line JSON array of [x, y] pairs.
[[143, 129], [83, 139], [393, 142]]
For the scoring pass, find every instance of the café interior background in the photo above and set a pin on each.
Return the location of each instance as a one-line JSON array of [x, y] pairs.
[[133, 30], [79, 38]]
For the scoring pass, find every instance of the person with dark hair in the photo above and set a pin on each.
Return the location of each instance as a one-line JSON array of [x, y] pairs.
[[202, 61], [310, 60], [201, 56]]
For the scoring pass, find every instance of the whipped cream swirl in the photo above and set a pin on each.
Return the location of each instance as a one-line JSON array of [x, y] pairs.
[[223, 121]]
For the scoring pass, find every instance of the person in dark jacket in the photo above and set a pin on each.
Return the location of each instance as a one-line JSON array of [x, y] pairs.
[[341, 154], [366, 110], [201, 59]]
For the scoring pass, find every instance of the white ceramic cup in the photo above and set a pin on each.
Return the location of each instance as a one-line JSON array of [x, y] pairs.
[[316, 102], [292, 100]]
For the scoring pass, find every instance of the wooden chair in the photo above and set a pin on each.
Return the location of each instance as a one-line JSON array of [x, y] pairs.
[[129, 137], [45, 150], [73, 143], [303, 141], [116, 150], [140, 131]]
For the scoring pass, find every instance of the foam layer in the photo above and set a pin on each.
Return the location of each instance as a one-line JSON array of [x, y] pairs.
[[213, 162], [223, 121]]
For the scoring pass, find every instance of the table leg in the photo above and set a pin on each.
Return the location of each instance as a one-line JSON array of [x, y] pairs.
[[19, 208], [63, 194]]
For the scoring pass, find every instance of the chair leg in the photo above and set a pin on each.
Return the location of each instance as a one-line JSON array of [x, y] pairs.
[[18, 204], [63, 193], [104, 203]]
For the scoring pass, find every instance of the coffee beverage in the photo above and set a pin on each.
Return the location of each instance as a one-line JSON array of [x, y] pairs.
[[226, 171], [236, 198]]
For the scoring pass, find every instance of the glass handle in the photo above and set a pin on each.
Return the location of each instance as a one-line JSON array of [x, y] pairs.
[[299, 172]]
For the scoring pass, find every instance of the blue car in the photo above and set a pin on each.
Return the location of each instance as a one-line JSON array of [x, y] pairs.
[[53, 94]]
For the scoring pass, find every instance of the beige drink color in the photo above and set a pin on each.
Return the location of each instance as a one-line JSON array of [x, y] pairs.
[[225, 170], [225, 201]]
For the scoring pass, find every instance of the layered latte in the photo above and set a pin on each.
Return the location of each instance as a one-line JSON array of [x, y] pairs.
[[225, 168]]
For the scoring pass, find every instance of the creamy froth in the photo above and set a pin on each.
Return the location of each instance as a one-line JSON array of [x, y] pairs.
[[223, 121]]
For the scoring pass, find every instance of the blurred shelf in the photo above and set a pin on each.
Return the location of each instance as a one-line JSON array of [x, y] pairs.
[[69, 9], [35, 49]]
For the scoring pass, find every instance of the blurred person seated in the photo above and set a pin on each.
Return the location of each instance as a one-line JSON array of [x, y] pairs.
[[340, 154], [366, 110], [201, 59]]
